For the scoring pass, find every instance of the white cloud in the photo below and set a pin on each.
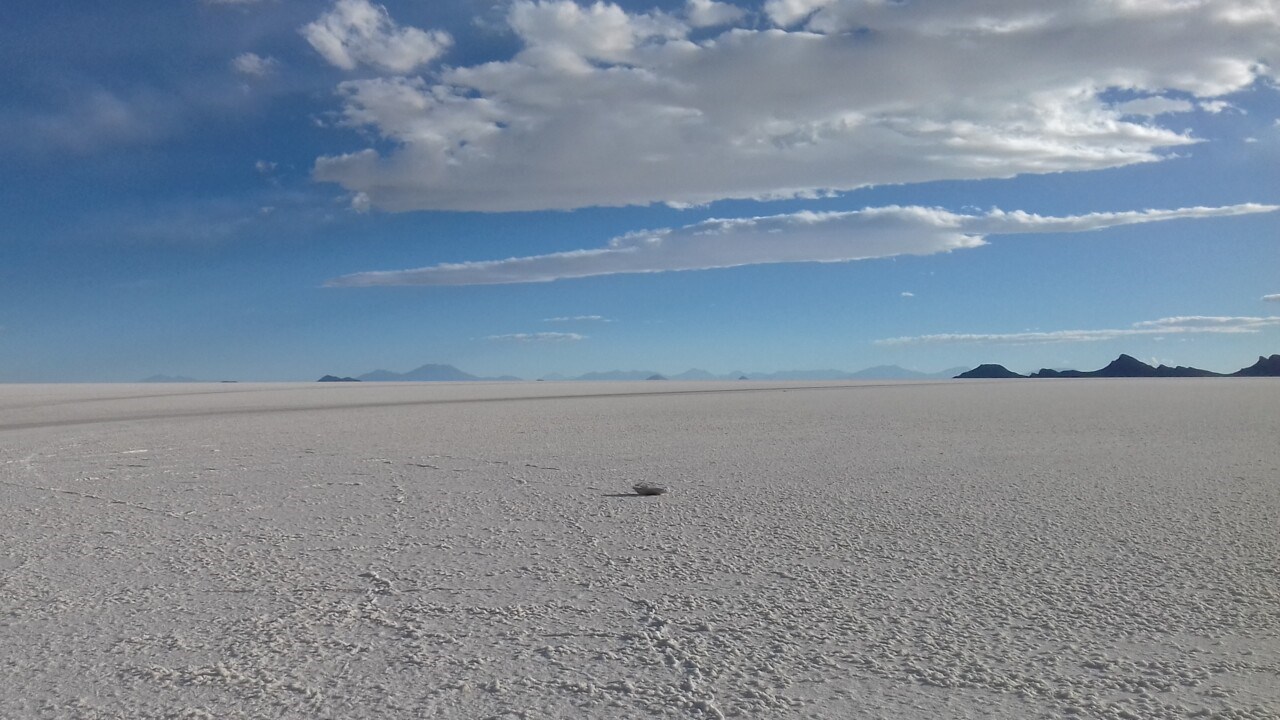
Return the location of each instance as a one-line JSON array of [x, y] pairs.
[[254, 65], [538, 337], [999, 222], [600, 106], [578, 318], [1208, 323], [799, 237], [1161, 327], [1271, 298], [265, 167], [907, 294], [356, 32], [710, 13], [1155, 105], [567, 36], [789, 12], [1216, 106]]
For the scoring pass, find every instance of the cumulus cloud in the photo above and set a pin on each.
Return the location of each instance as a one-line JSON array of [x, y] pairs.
[[598, 106], [1161, 327], [1271, 298], [566, 36], [789, 12], [798, 237], [358, 32], [907, 294], [578, 318], [538, 337], [709, 13], [254, 65]]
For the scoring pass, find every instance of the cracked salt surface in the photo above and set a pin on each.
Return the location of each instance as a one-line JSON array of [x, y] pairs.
[[1101, 549]]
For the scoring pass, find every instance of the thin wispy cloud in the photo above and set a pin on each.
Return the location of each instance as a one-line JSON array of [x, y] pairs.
[[1164, 326], [538, 337], [577, 318], [601, 106], [98, 119], [798, 237], [1271, 298]]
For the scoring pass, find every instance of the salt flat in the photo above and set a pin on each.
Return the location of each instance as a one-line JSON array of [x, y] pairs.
[[1096, 548]]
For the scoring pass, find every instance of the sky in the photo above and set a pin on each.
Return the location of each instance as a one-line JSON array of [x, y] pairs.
[[270, 190]]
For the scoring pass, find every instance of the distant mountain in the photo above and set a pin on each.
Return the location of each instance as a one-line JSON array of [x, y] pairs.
[[427, 373], [1183, 371], [1265, 367], [879, 372], [895, 372], [1051, 373], [169, 379], [1127, 366], [1124, 366], [618, 375], [380, 376], [989, 371], [696, 374], [335, 378]]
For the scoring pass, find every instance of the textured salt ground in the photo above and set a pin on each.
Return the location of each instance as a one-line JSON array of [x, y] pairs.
[[967, 549]]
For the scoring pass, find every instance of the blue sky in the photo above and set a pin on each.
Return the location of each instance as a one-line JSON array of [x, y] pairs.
[[268, 190]]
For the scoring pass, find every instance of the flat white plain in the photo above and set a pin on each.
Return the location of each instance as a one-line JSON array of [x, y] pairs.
[[1097, 548]]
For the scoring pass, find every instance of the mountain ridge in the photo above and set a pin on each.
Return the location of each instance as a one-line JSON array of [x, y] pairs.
[[1127, 366], [1265, 367]]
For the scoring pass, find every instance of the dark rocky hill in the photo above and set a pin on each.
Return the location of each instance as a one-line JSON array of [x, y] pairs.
[[1127, 366], [989, 371], [1184, 371], [1265, 367]]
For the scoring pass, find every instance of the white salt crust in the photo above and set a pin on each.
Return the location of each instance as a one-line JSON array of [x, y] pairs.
[[1096, 548]]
